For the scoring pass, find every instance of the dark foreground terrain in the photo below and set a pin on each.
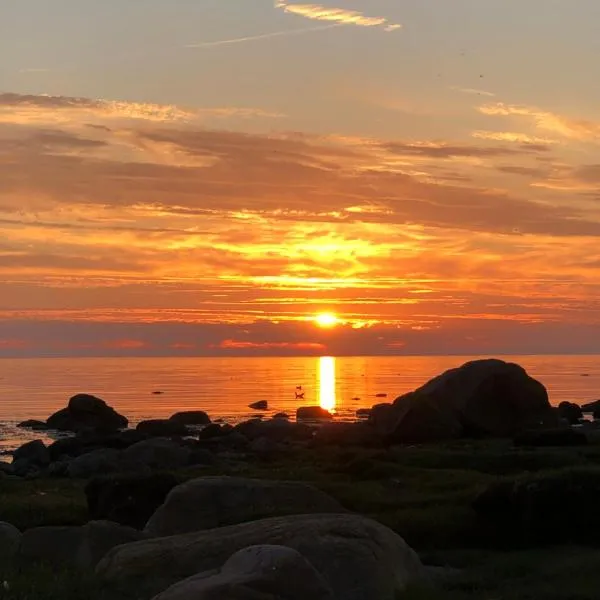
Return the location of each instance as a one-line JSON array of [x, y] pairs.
[[425, 493]]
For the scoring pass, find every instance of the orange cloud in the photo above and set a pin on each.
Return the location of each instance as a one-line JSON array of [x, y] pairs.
[[300, 346], [336, 15]]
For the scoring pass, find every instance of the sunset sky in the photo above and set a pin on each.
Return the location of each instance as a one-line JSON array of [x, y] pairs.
[[198, 177]]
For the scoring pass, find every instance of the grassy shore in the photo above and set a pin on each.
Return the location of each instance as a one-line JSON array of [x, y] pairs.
[[423, 493]]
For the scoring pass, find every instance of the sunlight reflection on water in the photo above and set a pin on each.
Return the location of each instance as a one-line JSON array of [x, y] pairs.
[[327, 399]]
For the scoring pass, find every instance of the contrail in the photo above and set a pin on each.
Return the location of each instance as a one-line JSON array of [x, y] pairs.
[[264, 36]]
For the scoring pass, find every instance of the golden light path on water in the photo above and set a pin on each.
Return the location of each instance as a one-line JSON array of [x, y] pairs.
[[327, 398]]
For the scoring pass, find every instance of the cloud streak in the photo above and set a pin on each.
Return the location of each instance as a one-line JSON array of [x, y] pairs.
[[338, 15]]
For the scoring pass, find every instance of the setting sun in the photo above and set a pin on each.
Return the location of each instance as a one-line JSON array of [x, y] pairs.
[[326, 320]]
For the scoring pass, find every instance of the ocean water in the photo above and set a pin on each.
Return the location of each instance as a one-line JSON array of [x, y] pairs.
[[224, 387]]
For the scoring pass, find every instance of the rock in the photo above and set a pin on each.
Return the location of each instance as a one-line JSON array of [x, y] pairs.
[[281, 415], [275, 429], [158, 453], [86, 442], [209, 502], [551, 437], [347, 434], [33, 424], [312, 413], [482, 398], [261, 572], [360, 559], [553, 507], [10, 538], [192, 417], [363, 413], [260, 405], [162, 428], [571, 412], [79, 547], [85, 413], [212, 431], [128, 499], [34, 453], [266, 449], [590, 407], [96, 462]]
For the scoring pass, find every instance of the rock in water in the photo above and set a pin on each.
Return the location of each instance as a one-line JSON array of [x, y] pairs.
[[209, 502], [359, 558], [162, 428], [128, 499], [260, 405], [10, 537], [33, 424], [570, 411], [313, 413], [266, 572], [481, 398], [87, 413], [191, 417]]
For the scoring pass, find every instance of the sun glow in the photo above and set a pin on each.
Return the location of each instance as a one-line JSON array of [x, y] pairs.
[[327, 399], [326, 320]]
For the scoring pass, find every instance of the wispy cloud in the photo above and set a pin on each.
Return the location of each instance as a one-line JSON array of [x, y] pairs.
[[579, 129], [263, 36], [473, 91], [337, 15], [512, 136]]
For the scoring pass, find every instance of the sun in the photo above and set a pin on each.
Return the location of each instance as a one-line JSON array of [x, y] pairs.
[[326, 320]]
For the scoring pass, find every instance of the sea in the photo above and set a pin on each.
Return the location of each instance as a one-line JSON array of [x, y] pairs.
[[143, 388]]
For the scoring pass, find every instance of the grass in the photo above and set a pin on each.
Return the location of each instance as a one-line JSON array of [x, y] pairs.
[[423, 493]]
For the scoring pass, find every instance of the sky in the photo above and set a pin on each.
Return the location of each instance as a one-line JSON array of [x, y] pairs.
[[205, 177]]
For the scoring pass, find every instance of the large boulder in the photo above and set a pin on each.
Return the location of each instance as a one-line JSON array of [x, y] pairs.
[[128, 499], [10, 538], [278, 430], [313, 413], [96, 462], [30, 458], [482, 398], [571, 412], [158, 453], [87, 413], [359, 558], [260, 572], [69, 547], [552, 507], [190, 417], [209, 502]]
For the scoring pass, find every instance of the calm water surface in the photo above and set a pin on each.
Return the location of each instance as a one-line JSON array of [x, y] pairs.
[[34, 388]]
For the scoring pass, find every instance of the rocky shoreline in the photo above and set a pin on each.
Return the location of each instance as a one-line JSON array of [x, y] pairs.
[[173, 501]]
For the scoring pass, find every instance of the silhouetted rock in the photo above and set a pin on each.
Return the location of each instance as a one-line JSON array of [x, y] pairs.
[[347, 434], [128, 499], [191, 417], [590, 407], [551, 437], [362, 413], [312, 413], [85, 413], [483, 398], [274, 429], [10, 537], [281, 415], [86, 442], [33, 424], [158, 453], [359, 558], [33, 452], [260, 405], [213, 431], [557, 507], [260, 572], [570, 411], [162, 428], [96, 462], [209, 502]]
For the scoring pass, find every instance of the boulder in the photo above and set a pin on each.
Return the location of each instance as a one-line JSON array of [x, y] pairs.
[[281, 415], [263, 572], [260, 405], [359, 558], [162, 428], [209, 502], [553, 507], [85, 442], [158, 453], [33, 424], [570, 411], [551, 437], [347, 434], [85, 413], [10, 538], [79, 547], [363, 413], [96, 462], [213, 431], [192, 417], [128, 499], [312, 413], [482, 398], [590, 407], [34, 453]]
